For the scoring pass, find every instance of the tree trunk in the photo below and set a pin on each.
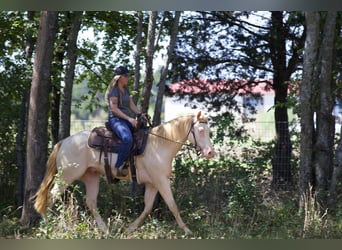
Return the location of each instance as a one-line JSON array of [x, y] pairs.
[[37, 136], [325, 121], [21, 135], [136, 85], [306, 105], [71, 58], [20, 146], [137, 55], [281, 163], [57, 69], [164, 71], [150, 49], [55, 106], [336, 179]]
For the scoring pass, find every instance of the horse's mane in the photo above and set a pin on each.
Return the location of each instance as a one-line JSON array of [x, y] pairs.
[[174, 129]]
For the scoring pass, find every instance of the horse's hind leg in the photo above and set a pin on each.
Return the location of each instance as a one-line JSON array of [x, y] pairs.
[[91, 180], [150, 194]]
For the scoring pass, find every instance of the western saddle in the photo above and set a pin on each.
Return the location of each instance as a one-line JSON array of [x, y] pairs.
[[105, 140]]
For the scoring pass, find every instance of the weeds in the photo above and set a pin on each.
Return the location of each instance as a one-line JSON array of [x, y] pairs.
[[315, 224], [225, 198]]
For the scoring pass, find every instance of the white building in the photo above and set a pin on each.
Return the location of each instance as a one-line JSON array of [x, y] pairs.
[[175, 106]]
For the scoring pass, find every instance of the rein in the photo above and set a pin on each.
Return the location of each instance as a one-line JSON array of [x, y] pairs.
[[187, 135]]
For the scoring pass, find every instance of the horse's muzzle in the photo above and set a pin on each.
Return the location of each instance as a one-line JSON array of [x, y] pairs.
[[208, 152]]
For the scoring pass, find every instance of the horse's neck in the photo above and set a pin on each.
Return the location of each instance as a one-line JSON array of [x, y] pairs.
[[173, 133], [177, 129], [168, 138]]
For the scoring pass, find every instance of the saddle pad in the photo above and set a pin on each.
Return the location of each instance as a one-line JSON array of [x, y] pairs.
[[140, 140]]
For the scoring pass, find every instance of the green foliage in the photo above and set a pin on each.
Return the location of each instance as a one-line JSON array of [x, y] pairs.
[[226, 127], [113, 45], [228, 197], [15, 78], [67, 221]]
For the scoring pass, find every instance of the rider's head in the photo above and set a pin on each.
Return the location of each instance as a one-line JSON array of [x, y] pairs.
[[122, 71]]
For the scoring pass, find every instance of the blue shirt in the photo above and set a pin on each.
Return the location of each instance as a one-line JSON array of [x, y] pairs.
[[123, 101]]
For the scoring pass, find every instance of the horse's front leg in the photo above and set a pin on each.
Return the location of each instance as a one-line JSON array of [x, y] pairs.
[[164, 188], [150, 194]]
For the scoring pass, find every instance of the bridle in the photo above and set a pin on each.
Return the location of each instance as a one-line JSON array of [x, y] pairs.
[[197, 148], [191, 130]]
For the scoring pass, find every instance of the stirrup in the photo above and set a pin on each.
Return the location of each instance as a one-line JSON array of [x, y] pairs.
[[121, 171]]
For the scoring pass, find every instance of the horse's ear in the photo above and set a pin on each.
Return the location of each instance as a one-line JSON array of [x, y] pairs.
[[199, 115]]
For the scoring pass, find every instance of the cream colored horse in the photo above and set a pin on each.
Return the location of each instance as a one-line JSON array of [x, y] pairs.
[[78, 161]]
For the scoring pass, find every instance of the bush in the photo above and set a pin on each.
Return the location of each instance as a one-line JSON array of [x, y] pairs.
[[228, 197]]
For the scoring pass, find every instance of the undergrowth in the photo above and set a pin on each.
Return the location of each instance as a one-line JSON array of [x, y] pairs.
[[228, 197]]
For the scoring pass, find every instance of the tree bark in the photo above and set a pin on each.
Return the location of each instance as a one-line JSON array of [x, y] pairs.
[[71, 58], [55, 103], [137, 55], [336, 179], [306, 105], [164, 71], [281, 163], [20, 147], [150, 49], [37, 136], [325, 121], [21, 135]]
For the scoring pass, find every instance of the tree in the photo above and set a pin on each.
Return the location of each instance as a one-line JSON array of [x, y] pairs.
[[335, 187], [113, 45], [56, 78], [20, 138], [228, 45], [324, 141], [306, 104], [281, 162], [37, 137], [71, 58], [137, 57], [150, 49], [17, 39], [164, 70], [317, 97]]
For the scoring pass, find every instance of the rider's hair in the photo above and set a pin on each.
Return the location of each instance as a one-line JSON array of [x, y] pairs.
[[111, 85]]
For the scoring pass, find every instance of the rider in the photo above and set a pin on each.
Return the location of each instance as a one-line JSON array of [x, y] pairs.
[[121, 111]]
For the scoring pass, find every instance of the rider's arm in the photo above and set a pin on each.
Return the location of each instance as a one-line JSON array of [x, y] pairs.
[[133, 107], [113, 103]]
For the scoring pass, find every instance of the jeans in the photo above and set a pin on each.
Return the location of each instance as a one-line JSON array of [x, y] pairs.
[[123, 129]]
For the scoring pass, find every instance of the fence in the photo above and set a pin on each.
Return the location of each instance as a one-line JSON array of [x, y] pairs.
[[264, 131], [257, 130], [79, 125], [240, 183]]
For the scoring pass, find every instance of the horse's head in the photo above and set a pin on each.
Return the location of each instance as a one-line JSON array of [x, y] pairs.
[[200, 136]]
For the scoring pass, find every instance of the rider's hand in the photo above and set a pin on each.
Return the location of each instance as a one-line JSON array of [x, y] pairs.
[[133, 121], [143, 116]]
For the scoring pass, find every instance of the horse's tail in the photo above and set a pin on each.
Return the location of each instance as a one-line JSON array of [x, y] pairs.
[[43, 193]]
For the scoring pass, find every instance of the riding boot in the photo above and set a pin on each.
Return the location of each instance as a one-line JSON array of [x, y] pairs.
[[121, 171]]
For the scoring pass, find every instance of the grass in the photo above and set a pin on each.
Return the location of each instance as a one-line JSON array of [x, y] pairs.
[[269, 216], [228, 197]]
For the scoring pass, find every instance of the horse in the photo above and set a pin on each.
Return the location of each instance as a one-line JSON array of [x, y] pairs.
[[77, 161]]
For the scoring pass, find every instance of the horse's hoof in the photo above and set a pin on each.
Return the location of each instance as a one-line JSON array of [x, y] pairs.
[[130, 229], [187, 231], [104, 229]]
